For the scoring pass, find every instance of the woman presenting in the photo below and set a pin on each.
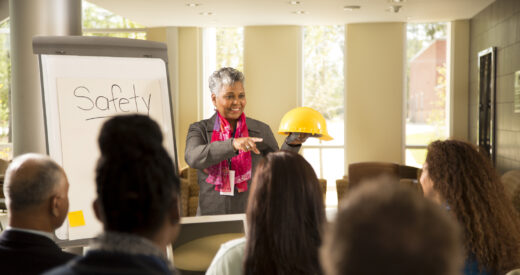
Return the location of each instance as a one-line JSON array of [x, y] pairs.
[[226, 148]]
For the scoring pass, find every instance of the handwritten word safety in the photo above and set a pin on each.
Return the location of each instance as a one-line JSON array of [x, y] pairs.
[[116, 101]]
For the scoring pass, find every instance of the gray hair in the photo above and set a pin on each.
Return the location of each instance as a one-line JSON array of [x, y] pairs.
[[225, 76], [30, 180]]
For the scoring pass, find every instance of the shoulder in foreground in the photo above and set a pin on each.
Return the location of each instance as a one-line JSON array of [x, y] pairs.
[[61, 270], [233, 247]]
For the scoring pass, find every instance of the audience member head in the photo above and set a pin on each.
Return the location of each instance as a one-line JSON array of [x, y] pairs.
[[458, 176], [285, 215], [136, 183], [383, 227], [36, 190]]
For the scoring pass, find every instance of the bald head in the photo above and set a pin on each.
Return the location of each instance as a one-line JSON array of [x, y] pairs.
[[30, 180]]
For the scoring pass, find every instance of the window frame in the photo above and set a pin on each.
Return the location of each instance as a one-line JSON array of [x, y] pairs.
[[448, 109], [331, 186]]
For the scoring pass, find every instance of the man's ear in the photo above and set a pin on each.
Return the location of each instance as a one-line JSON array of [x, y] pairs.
[[55, 205], [175, 215], [98, 210]]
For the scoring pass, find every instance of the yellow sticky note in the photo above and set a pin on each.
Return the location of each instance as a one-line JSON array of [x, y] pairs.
[[76, 219]]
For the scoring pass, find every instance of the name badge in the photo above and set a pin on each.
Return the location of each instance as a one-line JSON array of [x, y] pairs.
[[231, 184]]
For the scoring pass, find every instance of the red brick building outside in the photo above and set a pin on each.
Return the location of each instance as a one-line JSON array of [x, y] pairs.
[[425, 99]]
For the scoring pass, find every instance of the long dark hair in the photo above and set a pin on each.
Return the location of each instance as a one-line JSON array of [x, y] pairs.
[[468, 183], [135, 177], [285, 215]]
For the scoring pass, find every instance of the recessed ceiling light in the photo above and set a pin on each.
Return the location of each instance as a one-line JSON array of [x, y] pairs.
[[394, 8], [299, 12], [351, 8], [192, 5], [206, 13], [397, 1], [295, 2]]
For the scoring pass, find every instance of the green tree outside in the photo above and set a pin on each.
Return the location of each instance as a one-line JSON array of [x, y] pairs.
[[5, 90], [230, 48], [95, 17], [420, 36], [324, 83], [5, 76]]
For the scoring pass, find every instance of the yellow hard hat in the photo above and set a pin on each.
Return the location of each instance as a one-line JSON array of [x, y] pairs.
[[304, 120]]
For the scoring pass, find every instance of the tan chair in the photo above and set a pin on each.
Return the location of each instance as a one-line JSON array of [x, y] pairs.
[[341, 188], [409, 172], [411, 176], [366, 170], [511, 182], [3, 166], [189, 192], [323, 186], [360, 171], [412, 183]]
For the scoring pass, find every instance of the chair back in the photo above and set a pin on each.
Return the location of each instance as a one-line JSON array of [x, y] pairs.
[[341, 188], [360, 171], [511, 182], [189, 192], [323, 187], [409, 172]]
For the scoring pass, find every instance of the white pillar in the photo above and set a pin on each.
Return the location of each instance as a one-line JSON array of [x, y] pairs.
[[459, 79], [27, 19], [374, 77]]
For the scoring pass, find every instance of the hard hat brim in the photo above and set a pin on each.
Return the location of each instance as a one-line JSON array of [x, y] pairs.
[[304, 120], [324, 137]]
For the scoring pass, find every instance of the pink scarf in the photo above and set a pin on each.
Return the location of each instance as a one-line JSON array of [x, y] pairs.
[[241, 164]]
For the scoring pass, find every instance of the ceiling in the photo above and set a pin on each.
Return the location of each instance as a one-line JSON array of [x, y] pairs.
[[154, 13]]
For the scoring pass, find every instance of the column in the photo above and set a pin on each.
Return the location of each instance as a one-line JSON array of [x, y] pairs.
[[29, 18], [374, 77], [459, 79], [272, 57]]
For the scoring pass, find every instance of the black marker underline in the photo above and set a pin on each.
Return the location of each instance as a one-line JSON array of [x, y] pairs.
[[98, 117]]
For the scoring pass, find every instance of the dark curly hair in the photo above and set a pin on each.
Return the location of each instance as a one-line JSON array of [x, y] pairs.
[[285, 214], [468, 183], [135, 177]]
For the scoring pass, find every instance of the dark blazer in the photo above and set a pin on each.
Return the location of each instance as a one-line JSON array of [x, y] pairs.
[[97, 262], [27, 253], [201, 153]]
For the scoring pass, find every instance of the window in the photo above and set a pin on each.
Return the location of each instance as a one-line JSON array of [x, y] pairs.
[[96, 21], [222, 47], [6, 151], [426, 92], [100, 22], [324, 90]]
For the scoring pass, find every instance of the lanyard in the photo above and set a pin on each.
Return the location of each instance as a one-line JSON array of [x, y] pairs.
[[233, 135]]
